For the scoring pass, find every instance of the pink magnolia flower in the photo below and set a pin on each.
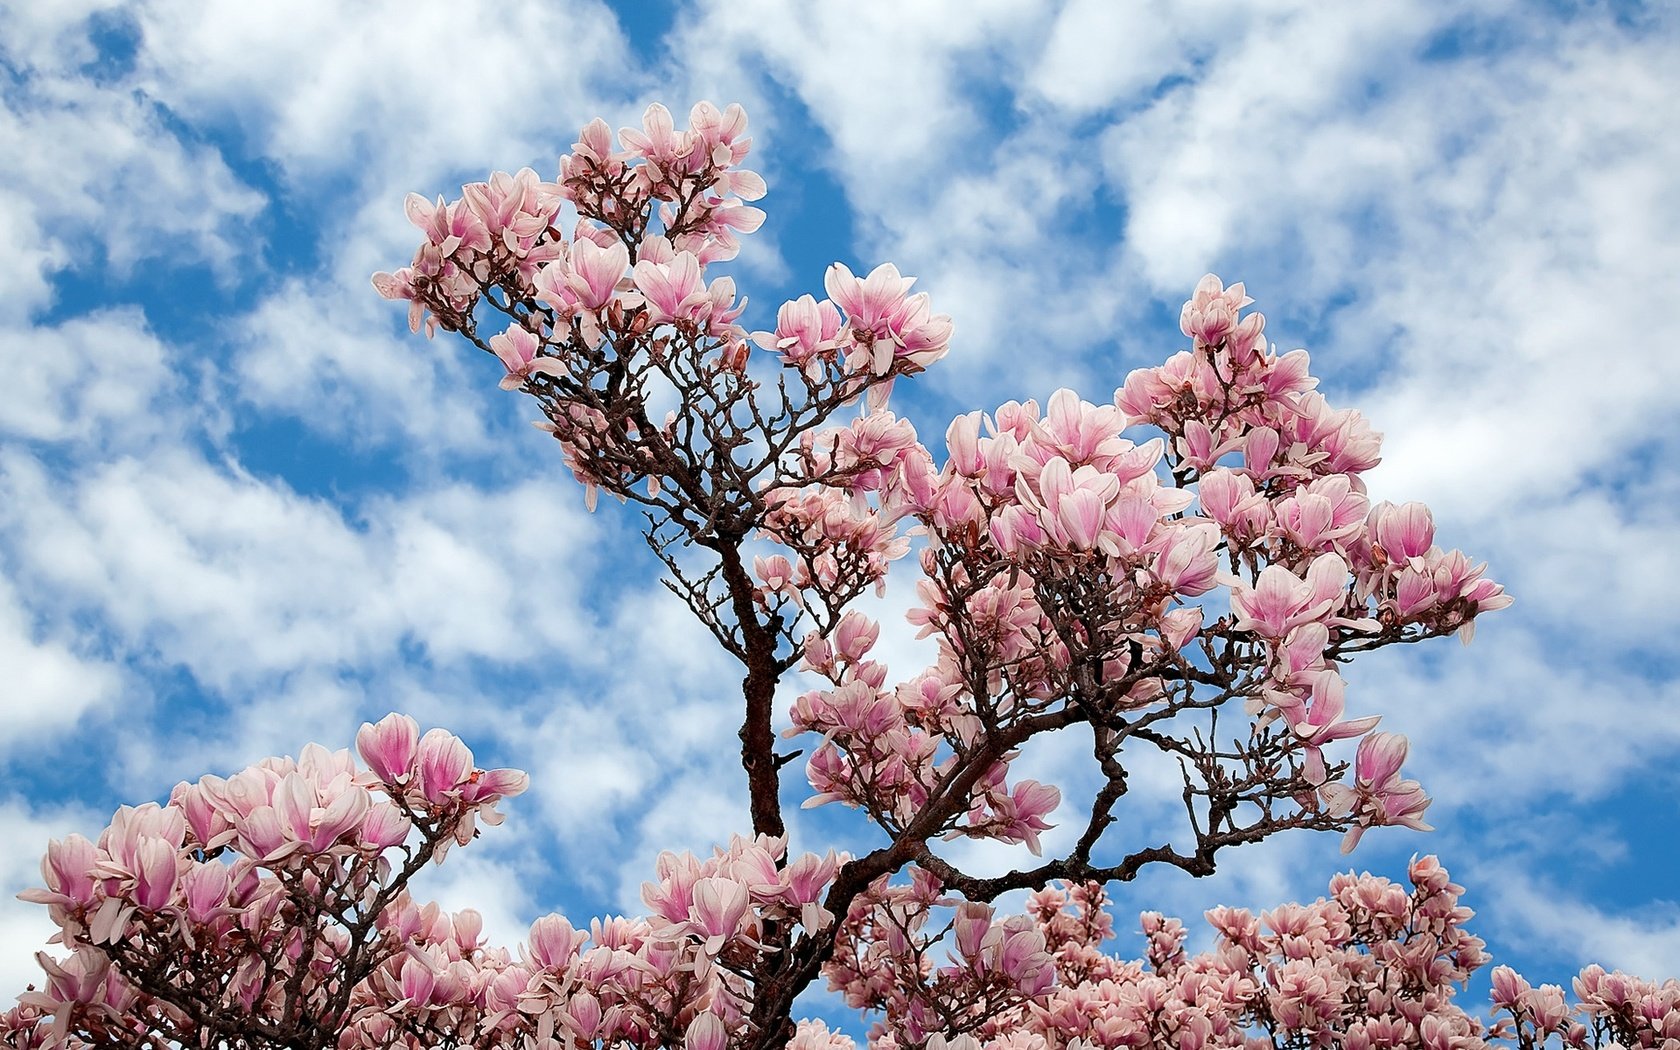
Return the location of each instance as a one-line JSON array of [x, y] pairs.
[[389, 747], [596, 271], [1072, 504], [131, 828], [807, 879], [1509, 989], [970, 925], [418, 980], [448, 227], [205, 888], [855, 635], [484, 787], [659, 142], [1378, 796], [672, 897], [889, 323], [1403, 532], [673, 291], [1321, 722], [1019, 816], [444, 763], [1414, 593], [1280, 601], [518, 350], [1081, 432], [719, 905], [263, 836], [1321, 514], [1260, 450], [807, 333], [962, 442], [1016, 529], [706, 1032], [873, 304], [1211, 313], [384, 826], [1184, 558], [515, 209], [67, 869], [1202, 448], [594, 146], [554, 943], [157, 867], [1016, 951], [720, 128], [774, 572], [1229, 498], [1333, 441], [1380, 757]]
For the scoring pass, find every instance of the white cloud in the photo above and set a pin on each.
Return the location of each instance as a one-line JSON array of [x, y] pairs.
[[323, 352], [1495, 728], [237, 579], [51, 36], [98, 177], [328, 90], [1100, 55], [1537, 914], [640, 754], [348, 110], [881, 78], [1275, 134], [1486, 238], [46, 682], [92, 378]]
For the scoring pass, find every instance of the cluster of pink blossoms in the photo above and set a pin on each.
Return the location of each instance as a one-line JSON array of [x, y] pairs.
[[1070, 573], [872, 323], [252, 893], [1263, 511], [278, 895], [890, 953], [1375, 965], [503, 228], [882, 748], [651, 217], [671, 979], [317, 943]]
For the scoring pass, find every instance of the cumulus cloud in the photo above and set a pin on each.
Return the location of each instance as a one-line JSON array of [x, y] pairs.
[[1541, 915], [97, 178], [329, 92], [95, 378], [234, 577], [49, 678]]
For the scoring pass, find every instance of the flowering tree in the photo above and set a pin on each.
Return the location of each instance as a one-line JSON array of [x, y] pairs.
[[1194, 593]]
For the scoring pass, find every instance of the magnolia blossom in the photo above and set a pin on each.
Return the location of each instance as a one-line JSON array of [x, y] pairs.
[[1378, 795], [807, 334], [518, 349], [888, 324], [1280, 601]]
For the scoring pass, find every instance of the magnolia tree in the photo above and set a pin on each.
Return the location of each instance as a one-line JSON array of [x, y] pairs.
[[1193, 594]]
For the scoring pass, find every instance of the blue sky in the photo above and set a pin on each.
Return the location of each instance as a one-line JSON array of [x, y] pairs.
[[241, 508]]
